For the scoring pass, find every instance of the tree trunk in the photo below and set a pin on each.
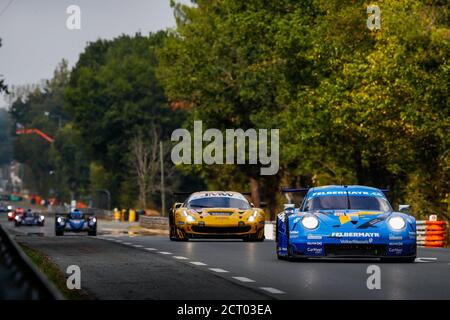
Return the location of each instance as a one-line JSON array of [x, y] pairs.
[[254, 189]]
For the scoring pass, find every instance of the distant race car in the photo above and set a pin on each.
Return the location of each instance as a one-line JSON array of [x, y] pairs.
[[13, 213], [75, 221], [29, 218], [345, 222], [216, 214], [4, 207]]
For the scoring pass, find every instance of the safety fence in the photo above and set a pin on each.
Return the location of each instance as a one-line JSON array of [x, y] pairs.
[[19, 279], [431, 234]]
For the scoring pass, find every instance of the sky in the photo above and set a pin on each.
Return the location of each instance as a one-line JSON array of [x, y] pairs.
[[35, 36]]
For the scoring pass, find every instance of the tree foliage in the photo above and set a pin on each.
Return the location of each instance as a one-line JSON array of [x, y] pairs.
[[353, 105]]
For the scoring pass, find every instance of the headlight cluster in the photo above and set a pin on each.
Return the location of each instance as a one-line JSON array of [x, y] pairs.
[[41, 218], [397, 223], [60, 220], [310, 222], [189, 218], [252, 218]]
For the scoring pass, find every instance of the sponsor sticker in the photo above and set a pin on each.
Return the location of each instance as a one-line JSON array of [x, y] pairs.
[[355, 235]]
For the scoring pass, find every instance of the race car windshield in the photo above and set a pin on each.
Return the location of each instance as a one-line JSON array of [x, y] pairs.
[[219, 202], [347, 203]]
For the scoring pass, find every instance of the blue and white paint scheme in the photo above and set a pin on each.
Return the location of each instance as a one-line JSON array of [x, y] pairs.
[[345, 222], [75, 221]]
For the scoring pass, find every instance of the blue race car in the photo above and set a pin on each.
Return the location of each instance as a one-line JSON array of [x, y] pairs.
[[75, 221], [345, 222], [29, 218]]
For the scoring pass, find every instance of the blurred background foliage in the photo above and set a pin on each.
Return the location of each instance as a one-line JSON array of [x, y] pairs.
[[353, 106]]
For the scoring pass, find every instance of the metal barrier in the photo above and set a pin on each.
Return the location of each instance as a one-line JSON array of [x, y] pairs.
[[431, 234], [151, 222], [19, 279]]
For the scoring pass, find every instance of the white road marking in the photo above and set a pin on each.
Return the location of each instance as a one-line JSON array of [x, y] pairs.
[[127, 243], [180, 258], [272, 290], [138, 246], [164, 252], [197, 263], [218, 270], [151, 249], [243, 279], [423, 259]]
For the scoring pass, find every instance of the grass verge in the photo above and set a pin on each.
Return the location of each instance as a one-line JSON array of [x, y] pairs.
[[54, 274]]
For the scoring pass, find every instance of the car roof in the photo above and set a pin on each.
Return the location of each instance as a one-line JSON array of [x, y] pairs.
[[215, 194], [340, 189]]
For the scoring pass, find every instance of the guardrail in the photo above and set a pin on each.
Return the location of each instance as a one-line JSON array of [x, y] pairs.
[[154, 222], [431, 234], [19, 278]]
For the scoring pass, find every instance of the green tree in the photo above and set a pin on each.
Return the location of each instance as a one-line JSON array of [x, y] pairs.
[[353, 105], [112, 95]]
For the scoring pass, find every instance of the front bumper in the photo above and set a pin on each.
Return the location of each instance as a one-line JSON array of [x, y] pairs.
[[221, 231], [326, 247]]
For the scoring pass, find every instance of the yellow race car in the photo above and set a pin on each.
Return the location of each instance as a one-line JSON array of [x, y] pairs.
[[216, 214]]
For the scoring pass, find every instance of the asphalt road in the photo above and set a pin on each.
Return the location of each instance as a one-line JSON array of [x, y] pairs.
[[152, 267]]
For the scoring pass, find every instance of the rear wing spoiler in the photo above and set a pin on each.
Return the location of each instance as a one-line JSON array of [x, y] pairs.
[[294, 190]]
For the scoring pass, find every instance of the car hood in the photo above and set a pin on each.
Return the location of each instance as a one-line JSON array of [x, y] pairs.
[[351, 218]]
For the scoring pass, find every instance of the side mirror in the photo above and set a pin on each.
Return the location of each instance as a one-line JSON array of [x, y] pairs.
[[289, 208], [177, 205], [404, 208]]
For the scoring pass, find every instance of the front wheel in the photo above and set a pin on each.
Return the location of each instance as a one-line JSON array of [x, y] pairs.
[[175, 235], [93, 232], [59, 233]]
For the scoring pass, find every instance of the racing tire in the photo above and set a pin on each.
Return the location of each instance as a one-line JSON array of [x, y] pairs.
[[16, 224], [172, 233], [92, 233], [176, 237], [59, 233]]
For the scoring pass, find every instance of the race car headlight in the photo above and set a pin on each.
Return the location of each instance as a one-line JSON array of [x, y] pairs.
[[190, 219], [9, 207], [17, 218], [397, 223], [60, 220], [10, 214], [310, 222], [41, 218], [253, 216], [94, 220]]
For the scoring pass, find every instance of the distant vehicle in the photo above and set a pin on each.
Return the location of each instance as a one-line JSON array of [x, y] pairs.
[[13, 213], [29, 218], [345, 222], [216, 214], [4, 207], [75, 221]]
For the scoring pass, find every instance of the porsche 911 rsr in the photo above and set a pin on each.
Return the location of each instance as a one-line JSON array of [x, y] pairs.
[[75, 221], [345, 222], [29, 218], [216, 214]]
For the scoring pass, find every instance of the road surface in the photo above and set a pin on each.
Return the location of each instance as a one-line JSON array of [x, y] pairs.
[[119, 266]]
